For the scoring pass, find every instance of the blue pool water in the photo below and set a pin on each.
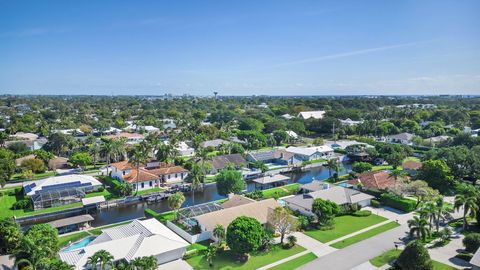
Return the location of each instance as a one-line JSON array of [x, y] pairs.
[[344, 184], [80, 244]]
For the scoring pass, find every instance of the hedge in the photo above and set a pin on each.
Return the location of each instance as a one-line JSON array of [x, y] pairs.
[[112, 183], [403, 204], [375, 203]]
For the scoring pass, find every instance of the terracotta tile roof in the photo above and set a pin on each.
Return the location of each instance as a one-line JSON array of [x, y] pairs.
[[126, 135], [412, 165], [122, 165], [167, 170], [142, 176], [374, 180]]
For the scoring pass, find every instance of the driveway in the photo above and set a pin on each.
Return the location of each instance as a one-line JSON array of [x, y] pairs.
[[359, 253]]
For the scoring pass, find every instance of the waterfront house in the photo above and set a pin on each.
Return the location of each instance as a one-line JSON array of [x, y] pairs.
[[60, 190], [220, 162], [337, 194], [130, 241], [275, 156], [311, 153], [151, 175], [271, 181], [132, 138]]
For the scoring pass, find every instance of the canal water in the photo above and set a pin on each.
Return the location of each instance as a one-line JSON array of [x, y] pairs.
[[127, 212]]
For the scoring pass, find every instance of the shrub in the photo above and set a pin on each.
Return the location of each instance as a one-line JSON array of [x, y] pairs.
[[464, 256], [375, 203], [303, 222], [472, 242], [291, 241], [190, 254], [362, 213], [403, 204], [101, 189], [21, 204], [34, 165], [414, 257]]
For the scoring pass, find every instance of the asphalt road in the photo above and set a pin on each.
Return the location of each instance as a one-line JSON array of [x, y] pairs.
[[354, 255]]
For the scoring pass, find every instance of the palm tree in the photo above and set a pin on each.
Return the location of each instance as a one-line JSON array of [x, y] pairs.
[[419, 227], [94, 151], [119, 149], [124, 188], [202, 154], [210, 254], [219, 233], [443, 210], [332, 165], [106, 149], [105, 258], [175, 201], [144, 263], [196, 176], [396, 174], [138, 156], [467, 198], [429, 212], [94, 260], [165, 152]]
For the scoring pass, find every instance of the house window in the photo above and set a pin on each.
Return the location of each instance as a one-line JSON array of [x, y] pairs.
[[142, 185], [123, 172], [151, 184], [176, 176], [169, 176]]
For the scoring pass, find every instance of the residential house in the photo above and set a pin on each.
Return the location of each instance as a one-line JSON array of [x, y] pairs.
[[254, 209], [32, 141], [350, 122], [311, 114], [287, 116], [58, 163], [275, 156], [132, 138], [337, 194], [315, 185], [412, 167], [184, 150], [169, 123], [214, 143], [220, 162], [60, 190], [127, 242], [153, 174], [312, 153], [377, 180], [271, 181], [402, 138]]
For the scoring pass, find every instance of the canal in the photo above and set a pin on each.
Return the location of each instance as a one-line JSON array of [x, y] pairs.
[[127, 212]]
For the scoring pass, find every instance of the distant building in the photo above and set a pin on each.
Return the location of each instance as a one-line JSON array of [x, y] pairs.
[[311, 114], [350, 122], [132, 138], [32, 141], [184, 150], [311, 153], [214, 143], [287, 116], [402, 138], [378, 180], [220, 162]]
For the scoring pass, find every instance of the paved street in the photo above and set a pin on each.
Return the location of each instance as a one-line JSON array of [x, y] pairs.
[[359, 253]]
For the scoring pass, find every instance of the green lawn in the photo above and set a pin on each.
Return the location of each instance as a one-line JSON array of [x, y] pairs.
[[8, 198], [382, 167], [385, 258], [199, 246], [365, 235], [19, 176], [65, 240], [148, 191], [226, 260], [295, 263], [345, 225], [411, 159], [392, 254], [105, 193], [281, 191]]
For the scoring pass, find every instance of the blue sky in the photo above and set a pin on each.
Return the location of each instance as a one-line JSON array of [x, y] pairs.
[[240, 47]]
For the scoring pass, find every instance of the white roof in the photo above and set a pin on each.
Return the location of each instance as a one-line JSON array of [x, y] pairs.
[[271, 179], [287, 116], [292, 134], [311, 114], [475, 260], [183, 146], [136, 239], [308, 151], [62, 182]]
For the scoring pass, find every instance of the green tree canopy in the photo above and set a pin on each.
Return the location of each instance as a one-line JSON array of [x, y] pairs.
[[414, 257], [229, 181], [244, 235]]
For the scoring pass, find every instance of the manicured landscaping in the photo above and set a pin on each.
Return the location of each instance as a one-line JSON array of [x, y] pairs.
[[105, 193], [281, 191], [382, 167], [295, 263], [385, 258], [226, 260], [344, 225], [199, 246], [148, 191], [66, 239], [392, 254], [365, 235], [19, 176]]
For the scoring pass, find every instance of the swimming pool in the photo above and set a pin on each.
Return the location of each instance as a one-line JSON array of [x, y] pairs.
[[344, 184], [80, 244]]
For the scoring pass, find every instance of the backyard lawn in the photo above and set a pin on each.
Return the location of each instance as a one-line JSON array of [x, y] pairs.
[[281, 191], [8, 197], [365, 235], [295, 263], [345, 225], [148, 191], [226, 260], [19, 176]]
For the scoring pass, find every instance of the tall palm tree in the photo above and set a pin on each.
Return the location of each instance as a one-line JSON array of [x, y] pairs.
[[196, 175], [106, 149], [119, 149], [332, 165], [429, 212], [467, 198], [419, 227], [443, 210], [94, 150], [93, 260], [165, 152], [204, 157], [138, 156], [175, 201], [105, 258], [144, 263]]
